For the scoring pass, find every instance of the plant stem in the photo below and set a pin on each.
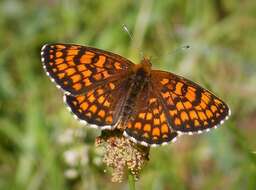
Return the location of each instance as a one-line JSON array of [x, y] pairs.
[[131, 181]]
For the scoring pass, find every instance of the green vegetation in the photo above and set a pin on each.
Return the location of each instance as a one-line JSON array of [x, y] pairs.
[[35, 126]]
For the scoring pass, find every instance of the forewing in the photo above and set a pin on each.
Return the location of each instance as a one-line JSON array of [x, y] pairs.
[[77, 69], [189, 107], [148, 124], [99, 107]]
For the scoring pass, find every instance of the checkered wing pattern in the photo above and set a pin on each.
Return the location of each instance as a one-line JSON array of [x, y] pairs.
[[99, 107], [77, 69], [189, 107], [149, 124]]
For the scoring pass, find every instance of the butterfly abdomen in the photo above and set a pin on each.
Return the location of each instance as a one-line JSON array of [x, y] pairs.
[[136, 84]]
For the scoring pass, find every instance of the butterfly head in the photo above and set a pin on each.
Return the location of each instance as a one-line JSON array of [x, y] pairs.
[[146, 64]]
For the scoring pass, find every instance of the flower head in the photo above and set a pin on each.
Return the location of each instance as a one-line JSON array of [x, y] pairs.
[[121, 154]]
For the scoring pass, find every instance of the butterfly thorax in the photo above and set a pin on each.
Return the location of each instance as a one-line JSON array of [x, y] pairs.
[[137, 82]]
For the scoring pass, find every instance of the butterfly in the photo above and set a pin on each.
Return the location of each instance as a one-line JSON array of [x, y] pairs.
[[107, 91]]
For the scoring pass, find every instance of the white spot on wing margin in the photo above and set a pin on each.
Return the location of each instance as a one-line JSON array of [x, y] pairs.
[[48, 74], [208, 129], [84, 122], [143, 143]]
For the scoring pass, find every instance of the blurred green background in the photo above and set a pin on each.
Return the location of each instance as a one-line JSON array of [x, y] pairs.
[[43, 147]]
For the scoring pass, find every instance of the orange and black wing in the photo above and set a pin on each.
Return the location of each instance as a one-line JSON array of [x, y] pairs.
[[189, 107], [100, 107], [148, 124], [77, 69]]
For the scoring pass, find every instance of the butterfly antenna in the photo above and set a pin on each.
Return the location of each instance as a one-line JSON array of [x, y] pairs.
[[142, 55], [177, 50], [125, 28]]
